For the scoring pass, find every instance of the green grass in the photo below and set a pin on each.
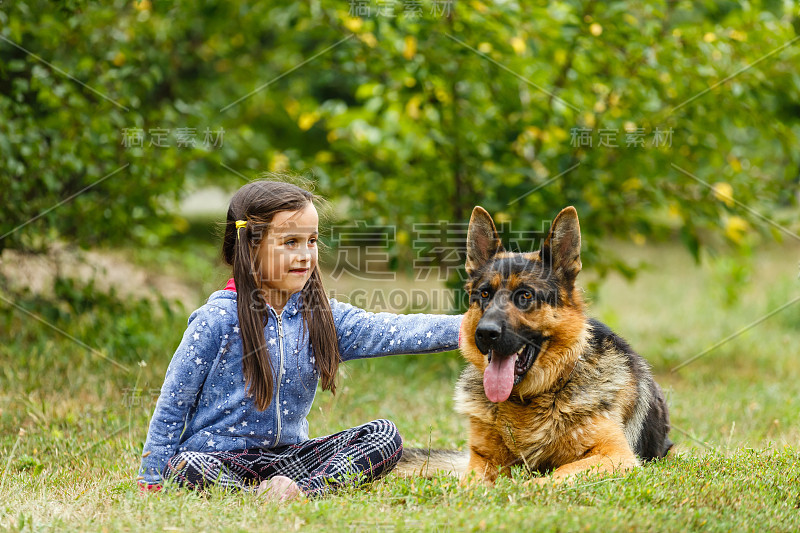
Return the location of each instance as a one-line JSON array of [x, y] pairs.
[[736, 411]]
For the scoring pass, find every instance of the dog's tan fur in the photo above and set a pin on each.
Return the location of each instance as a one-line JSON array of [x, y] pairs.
[[588, 401]]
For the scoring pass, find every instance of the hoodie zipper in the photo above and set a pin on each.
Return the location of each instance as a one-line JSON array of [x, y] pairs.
[[280, 377]]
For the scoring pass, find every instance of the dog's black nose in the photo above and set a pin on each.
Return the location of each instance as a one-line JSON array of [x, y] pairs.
[[486, 335]]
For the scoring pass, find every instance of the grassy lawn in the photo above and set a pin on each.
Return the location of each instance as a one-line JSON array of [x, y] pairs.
[[735, 410]]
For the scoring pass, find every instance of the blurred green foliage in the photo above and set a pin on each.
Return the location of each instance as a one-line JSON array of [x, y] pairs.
[[403, 118], [84, 337]]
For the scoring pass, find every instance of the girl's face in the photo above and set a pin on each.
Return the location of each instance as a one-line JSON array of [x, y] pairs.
[[288, 253]]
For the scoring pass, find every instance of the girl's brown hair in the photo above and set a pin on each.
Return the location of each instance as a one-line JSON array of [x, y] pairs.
[[257, 203]]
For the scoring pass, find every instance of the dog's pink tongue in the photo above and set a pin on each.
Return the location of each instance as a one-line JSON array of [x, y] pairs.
[[498, 378]]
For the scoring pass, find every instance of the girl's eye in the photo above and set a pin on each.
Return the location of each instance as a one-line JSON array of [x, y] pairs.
[[312, 241], [290, 242]]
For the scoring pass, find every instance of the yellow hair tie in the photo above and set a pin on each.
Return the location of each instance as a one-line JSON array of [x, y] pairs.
[[239, 225]]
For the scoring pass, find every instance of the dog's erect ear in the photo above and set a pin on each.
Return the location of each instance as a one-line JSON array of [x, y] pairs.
[[482, 240], [562, 247]]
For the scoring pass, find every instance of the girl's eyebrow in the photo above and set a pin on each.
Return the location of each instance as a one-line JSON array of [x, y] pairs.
[[290, 235]]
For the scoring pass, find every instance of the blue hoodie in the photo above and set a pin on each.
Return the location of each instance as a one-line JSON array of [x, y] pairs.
[[203, 406]]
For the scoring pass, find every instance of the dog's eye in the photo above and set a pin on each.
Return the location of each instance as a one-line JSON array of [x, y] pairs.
[[484, 294], [523, 298]]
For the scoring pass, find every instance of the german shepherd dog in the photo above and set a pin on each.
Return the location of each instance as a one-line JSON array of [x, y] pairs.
[[546, 388]]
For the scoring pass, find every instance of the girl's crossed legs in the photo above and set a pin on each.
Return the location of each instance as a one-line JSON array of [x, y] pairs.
[[318, 466]]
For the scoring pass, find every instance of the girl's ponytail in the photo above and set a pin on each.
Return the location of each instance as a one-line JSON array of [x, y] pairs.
[[252, 311], [324, 341]]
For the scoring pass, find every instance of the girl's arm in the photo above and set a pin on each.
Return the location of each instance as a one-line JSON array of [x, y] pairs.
[[363, 334], [185, 377]]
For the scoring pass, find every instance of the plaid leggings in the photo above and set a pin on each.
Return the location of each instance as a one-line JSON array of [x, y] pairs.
[[319, 466]]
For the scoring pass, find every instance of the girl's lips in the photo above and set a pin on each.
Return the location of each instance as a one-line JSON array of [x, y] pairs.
[[298, 271]]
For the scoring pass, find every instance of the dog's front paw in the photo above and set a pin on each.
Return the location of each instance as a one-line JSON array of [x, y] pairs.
[[475, 479]]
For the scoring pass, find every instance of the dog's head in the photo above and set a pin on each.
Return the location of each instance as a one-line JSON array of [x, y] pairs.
[[525, 312]]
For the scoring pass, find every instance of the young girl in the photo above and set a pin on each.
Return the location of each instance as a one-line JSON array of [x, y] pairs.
[[232, 410]]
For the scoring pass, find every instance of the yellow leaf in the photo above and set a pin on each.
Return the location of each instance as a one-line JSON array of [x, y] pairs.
[[324, 156], [279, 162], [559, 133], [410, 47], [518, 45], [485, 47], [595, 29], [528, 134], [291, 106], [632, 184], [368, 39], [724, 193], [412, 107], [119, 59], [709, 37], [143, 5], [442, 95], [307, 120], [738, 35], [409, 81], [480, 7], [502, 217], [600, 88], [735, 228], [402, 237], [540, 169], [353, 24]]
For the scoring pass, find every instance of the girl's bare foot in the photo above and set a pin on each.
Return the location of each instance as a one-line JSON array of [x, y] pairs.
[[279, 489]]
